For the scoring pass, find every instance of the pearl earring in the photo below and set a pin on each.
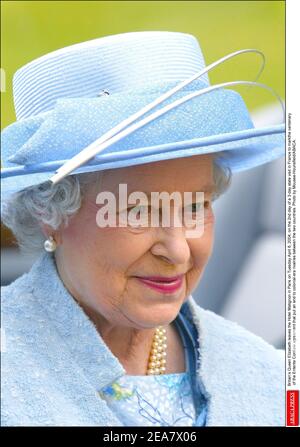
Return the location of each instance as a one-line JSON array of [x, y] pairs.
[[50, 244]]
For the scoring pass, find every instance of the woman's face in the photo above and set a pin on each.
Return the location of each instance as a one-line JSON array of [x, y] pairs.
[[99, 266]]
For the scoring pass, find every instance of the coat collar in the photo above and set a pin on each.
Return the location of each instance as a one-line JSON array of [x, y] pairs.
[[243, 377], [84, 342], [234, 368]]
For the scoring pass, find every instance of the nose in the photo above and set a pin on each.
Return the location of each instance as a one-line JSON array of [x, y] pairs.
[[172, 246]]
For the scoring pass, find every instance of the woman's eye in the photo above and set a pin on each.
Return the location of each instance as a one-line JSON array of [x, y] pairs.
[[194, 207], [139, 208], [138, 215], [198, 209]]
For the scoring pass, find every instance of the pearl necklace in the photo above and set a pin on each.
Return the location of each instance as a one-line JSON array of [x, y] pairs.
[[157, 359]]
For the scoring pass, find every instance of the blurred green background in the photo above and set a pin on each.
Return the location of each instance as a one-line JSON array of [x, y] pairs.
[[30, 29]]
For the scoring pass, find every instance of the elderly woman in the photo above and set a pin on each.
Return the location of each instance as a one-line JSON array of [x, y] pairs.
[[103, 330]]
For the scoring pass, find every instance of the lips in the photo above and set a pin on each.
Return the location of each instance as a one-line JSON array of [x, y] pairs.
[[163, 284], [161, 278]]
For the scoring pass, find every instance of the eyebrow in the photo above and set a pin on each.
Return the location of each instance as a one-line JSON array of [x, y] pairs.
[[210, 188], [206, 188]]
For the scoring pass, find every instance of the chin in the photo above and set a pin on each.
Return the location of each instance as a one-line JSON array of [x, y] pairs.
[[159, 314]]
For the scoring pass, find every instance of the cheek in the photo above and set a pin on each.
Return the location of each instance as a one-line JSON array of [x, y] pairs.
[[201, 250], [208, 235], [74, 238], [130, 244], [115, 252]]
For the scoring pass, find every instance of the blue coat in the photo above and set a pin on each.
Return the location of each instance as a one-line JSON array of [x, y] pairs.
[[54, 362]]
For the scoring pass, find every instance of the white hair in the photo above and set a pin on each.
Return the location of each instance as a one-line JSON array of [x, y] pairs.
[[53, 205]]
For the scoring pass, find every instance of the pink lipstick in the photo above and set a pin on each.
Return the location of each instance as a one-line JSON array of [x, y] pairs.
[[163, 284]]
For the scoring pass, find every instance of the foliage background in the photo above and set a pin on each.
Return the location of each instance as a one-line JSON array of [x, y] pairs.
[[30, 29]]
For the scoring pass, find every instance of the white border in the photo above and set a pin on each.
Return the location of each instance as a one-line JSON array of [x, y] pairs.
[[292, 111]]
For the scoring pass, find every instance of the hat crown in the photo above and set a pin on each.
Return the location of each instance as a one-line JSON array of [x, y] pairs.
[[113, 63]]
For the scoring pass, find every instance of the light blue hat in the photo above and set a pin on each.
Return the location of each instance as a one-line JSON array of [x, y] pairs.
[[76, 99]]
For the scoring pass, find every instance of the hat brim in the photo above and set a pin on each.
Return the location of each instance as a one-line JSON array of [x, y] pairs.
[[239, 151]]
